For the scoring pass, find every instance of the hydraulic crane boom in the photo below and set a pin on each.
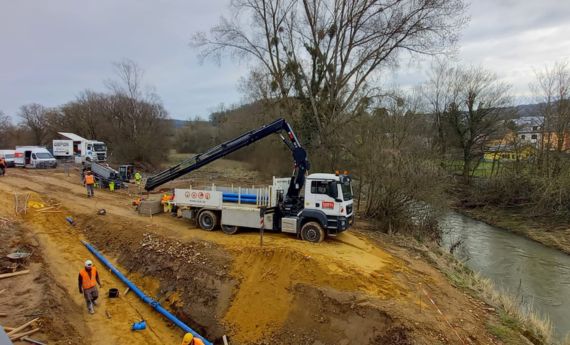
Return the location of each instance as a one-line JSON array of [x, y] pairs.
[[299, 156]]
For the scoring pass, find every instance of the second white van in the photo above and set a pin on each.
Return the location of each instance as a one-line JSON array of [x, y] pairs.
[[34, 157]]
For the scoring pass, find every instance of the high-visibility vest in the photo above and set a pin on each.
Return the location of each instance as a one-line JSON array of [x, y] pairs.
[[165, 199], [89, 179], [198, 341], [88, 281]]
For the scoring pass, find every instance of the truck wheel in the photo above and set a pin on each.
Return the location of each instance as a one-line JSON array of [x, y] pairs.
[[229, 229], [207, 220], [312, 232]]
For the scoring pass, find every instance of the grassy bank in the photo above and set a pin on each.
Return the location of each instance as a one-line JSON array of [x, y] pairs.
[[515, 318], [550, 232]]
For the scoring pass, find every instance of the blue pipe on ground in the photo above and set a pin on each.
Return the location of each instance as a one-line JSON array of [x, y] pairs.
[[144, 297]]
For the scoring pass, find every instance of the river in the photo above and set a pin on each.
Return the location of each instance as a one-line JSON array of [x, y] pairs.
[[527, 269]]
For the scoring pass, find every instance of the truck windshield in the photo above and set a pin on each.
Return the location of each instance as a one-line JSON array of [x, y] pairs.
[[99, 147], [43, 155], [9, 156], [346, 191]]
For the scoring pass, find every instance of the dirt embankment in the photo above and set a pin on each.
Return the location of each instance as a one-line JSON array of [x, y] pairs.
[[346, 290]]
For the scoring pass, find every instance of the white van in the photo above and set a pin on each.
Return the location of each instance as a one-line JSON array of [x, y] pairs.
[[8, 156], [34, 157]]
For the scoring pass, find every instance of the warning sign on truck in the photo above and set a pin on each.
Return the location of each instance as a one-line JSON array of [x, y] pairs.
[[197, 198]]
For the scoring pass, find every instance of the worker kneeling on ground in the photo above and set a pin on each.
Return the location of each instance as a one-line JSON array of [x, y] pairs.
[[88, 280], [89, 182], [190, 340]]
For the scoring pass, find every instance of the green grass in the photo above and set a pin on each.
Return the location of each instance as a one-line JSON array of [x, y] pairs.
[[514, 317], [506, 334], [483, 169]]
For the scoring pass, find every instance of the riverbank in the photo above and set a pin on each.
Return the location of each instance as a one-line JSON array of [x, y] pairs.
[[551, 233], [507, 317]]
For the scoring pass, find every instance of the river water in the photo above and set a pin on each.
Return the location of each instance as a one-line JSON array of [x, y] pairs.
[[527, 269]]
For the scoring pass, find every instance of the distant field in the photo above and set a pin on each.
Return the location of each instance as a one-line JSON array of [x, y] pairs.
[[484, 169], [221, 171]]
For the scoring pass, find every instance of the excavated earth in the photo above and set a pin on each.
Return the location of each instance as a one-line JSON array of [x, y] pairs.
[[347, 290]]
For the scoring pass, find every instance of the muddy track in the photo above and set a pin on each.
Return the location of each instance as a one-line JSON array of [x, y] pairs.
[[345, 290]]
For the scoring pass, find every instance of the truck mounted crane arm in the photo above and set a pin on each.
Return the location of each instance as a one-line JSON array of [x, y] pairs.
[[299, 156]]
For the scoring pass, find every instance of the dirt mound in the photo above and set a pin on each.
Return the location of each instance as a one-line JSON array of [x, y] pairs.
[[268, 279], [327, 316]]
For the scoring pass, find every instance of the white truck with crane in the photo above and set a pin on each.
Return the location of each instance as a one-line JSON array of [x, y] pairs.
[[312, 207]]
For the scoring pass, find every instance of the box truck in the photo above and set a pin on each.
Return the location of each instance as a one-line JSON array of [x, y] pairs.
[[81, 149]]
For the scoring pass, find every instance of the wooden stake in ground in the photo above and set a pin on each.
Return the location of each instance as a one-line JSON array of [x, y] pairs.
[[262, 225], [8, 275]]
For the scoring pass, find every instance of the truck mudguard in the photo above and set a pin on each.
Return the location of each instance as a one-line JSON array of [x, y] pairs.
[[317, 215]]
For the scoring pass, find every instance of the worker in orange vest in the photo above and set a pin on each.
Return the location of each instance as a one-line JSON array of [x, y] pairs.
[[189, 339], [3, 166], [166, 203], [88, 280], [89, 183]]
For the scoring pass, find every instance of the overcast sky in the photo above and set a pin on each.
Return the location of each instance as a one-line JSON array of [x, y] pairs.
[[52, 50]]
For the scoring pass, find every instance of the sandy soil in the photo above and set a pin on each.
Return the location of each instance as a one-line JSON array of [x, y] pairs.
[[346, 290]]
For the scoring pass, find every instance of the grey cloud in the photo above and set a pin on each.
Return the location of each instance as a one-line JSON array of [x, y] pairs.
[[52, 50]]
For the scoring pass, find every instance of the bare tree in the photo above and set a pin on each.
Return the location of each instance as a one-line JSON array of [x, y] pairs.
[[437, 95], [5, 129], [552, 89], [326, 53], [477, 98], [34, 118]]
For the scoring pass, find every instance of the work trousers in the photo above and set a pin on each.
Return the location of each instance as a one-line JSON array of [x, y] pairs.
[[89, 190], [91, 296]]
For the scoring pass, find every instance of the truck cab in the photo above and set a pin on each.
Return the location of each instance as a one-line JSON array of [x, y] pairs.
[[328, 198], [95, 151], [326, 207]]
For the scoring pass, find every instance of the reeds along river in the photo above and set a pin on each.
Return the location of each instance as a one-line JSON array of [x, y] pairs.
[[528, 270]]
